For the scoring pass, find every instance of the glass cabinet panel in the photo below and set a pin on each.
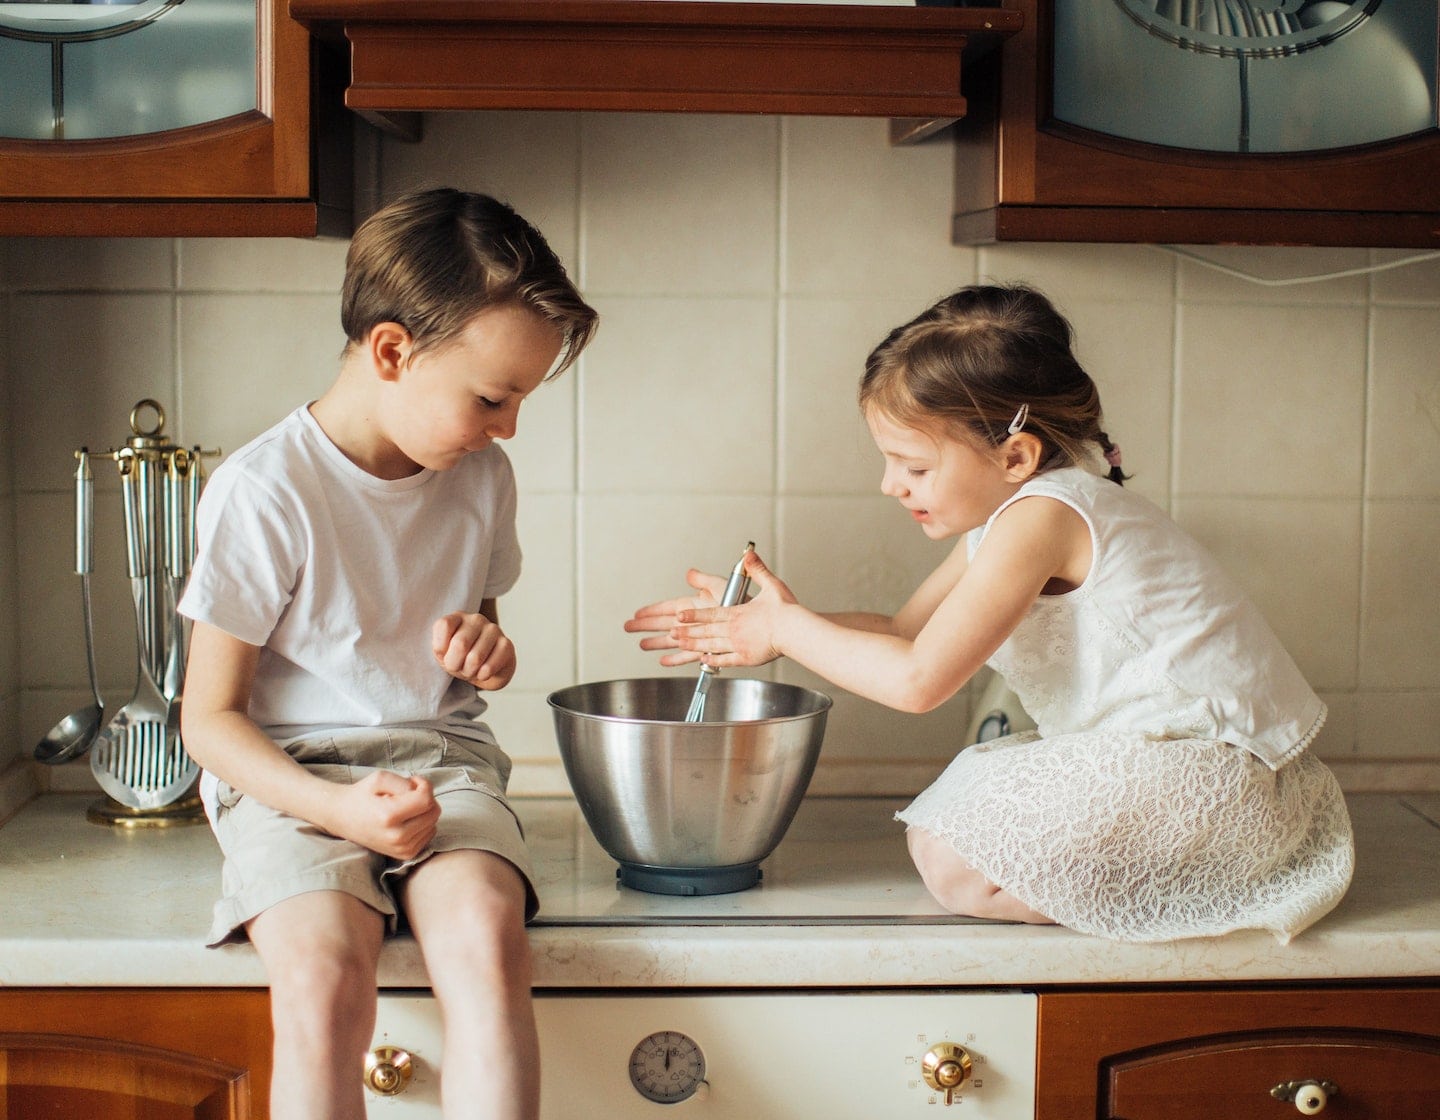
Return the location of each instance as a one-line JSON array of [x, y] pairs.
[[1246, 75], [76, 71]]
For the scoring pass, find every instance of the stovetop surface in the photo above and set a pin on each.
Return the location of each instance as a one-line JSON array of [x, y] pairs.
[[842, 861]]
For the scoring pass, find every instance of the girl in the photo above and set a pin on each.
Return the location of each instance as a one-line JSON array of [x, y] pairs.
[[1168, 792]]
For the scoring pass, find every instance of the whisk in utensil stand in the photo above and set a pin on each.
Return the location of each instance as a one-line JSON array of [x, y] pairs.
[[138, 758], [735, 588]]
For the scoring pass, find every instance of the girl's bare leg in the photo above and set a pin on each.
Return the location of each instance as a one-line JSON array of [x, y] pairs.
[[320, 951], [961, 889], [467, 910]]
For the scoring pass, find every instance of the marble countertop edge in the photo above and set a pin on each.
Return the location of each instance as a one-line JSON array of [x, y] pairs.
[[780, 956]]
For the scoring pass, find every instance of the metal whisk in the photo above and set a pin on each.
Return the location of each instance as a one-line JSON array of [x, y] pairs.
[[735, 588]]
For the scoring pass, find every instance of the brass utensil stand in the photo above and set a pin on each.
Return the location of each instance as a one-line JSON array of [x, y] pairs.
[[138, 757]]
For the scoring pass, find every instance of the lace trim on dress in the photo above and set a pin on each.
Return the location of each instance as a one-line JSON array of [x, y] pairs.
[[1296, 749]]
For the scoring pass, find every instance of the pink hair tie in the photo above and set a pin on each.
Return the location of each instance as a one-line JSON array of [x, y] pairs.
[[1113, 456]]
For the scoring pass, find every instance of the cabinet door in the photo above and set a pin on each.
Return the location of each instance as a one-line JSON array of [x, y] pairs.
[[134, 1055], [1025, 172], [1218, 1055], [250, 173]]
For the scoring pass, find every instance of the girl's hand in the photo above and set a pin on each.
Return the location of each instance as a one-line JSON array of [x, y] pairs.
[[661, 618], [473, 649], [388, 813], [745, 634]]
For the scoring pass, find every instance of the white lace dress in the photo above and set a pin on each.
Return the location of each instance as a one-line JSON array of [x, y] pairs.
[[1168, 792]]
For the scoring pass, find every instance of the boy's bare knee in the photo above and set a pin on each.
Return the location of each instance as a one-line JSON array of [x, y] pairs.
[[321, 970], [469, 917]]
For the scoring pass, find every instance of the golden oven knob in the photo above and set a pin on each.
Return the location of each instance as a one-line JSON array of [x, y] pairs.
[[388, 1070], [945, 1067]]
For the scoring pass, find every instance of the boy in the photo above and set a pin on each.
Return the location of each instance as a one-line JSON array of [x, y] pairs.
[[345, 623]]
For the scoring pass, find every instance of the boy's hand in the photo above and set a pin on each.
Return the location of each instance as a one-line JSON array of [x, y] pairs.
[[389, 813], [474, 649]]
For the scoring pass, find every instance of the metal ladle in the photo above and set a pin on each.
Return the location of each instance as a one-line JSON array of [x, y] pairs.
[[74, 735]]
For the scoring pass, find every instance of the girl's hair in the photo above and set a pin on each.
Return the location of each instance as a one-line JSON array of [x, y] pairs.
[[972, 362], [434, 259]]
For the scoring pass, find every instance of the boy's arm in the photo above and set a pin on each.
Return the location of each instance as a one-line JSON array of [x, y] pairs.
[[385, 812]]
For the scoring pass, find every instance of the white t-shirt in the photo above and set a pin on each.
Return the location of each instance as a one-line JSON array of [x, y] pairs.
[[1158, 639], [339, 577]]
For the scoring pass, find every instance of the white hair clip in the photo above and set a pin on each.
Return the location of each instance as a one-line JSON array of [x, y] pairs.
[[1018, 423]]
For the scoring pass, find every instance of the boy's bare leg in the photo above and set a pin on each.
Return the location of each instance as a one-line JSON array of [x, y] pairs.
[[467, 910], [958, 887], [320, 951]]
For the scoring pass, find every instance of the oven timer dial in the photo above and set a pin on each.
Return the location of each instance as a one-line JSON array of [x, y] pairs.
[[945, 1067], [667, 1067]]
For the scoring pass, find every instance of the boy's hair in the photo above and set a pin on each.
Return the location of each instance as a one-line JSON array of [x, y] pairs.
[[434, 259], [969, 363]]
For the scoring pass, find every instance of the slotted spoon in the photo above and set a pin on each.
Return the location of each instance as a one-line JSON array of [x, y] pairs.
[[138, 758]]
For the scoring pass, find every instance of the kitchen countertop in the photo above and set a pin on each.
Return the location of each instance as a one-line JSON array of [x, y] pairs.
[[839, 906]]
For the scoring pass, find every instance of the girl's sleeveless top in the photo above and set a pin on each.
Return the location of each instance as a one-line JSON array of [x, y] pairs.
[[1157, 640]]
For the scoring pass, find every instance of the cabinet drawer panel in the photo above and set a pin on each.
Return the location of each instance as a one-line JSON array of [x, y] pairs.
[[1175, 1053], [1376, 1074]]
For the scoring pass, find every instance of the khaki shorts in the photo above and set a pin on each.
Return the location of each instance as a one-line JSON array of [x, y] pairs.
[[271, 856]]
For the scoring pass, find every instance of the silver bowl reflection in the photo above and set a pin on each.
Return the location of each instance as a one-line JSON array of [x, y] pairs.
[[689, 808]]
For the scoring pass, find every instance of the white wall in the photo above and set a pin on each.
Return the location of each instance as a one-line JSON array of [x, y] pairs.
[[743, 267], [10, 744]]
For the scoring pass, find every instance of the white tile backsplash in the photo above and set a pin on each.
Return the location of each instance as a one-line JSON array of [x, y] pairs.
[[252, 358], [825, 447], [1266, 544], [680, 398], [1403, 414], [529, 160], [76, 264], [79, 363], [636, 549], [743, 268], [1400, 622], [862, 218], [679, 205], [1287, 275], [290, 264], [1271, 400]]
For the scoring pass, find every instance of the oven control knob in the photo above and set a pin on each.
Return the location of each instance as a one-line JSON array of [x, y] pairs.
[[388, 1070], [945, 1067]]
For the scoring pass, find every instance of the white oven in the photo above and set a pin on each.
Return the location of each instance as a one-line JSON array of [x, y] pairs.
[[728, 1055]]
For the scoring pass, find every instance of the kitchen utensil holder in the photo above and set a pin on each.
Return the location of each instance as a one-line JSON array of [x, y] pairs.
[[161, 482]]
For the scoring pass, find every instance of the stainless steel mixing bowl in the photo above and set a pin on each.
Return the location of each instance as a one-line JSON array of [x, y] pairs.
[[689, 808]]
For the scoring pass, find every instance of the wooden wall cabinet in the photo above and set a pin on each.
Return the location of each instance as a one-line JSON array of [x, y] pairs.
[[1022, 175], [282, 169], [1193, 1054], [894, 60], [116, 1054]]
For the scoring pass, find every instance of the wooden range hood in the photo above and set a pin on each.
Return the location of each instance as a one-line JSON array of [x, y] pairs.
[[410, 56]]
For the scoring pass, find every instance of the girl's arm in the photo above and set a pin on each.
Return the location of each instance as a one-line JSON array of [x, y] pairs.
[[662, 618], [1035, 541], [385, 812]]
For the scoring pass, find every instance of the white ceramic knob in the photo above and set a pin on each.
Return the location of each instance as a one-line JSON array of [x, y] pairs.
[[1311, 1098]]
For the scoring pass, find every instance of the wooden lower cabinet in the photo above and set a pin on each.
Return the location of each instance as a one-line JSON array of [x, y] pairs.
[[1188, 1054], [121, 1054]]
